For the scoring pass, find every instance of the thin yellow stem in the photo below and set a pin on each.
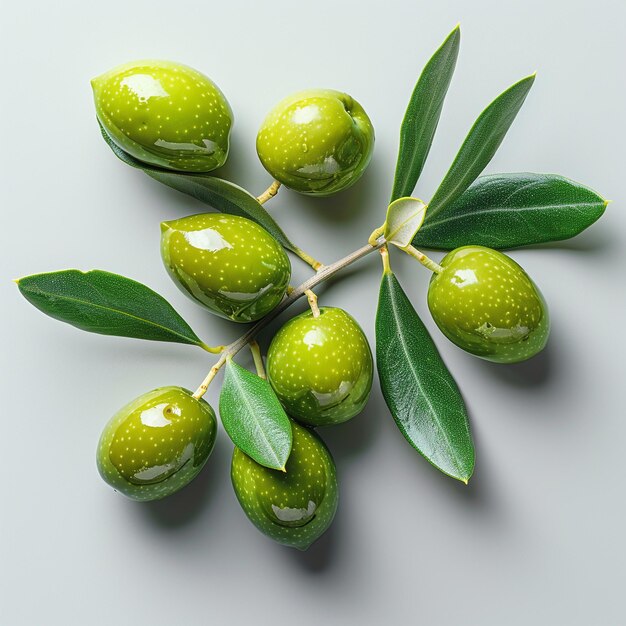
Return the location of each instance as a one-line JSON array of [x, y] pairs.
[[423, 259], [309, 260], [212, 349], [258, 357], [312, 298], [269, 193], [376, 233], [384, 254]]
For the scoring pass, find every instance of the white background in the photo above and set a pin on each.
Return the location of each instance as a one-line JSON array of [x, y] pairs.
[[537, 537]]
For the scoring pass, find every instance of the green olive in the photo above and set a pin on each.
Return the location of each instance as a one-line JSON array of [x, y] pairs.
[[485, 303], [165, 114], [156, 444], [227, 263], [321, 367], [296, 506], [316, 142]]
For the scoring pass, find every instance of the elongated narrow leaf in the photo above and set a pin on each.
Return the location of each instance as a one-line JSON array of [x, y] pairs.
[[418, 388], [217, 193], [254, 418], [422, 115], [108, 304], [512, 210], [404, 219], [481, 143]]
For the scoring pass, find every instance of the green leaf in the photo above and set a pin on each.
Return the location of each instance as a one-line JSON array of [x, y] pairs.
[[418, 388], [254, 418], [511, 210], [218, 193], [481, 143], [108, 304], [404, 219], [422, 115]]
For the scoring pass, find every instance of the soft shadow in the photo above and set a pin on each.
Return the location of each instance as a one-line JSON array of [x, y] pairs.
[[352, 438], [343, 206], [319, 557], [535, 372], [181, 508], [598, 239]]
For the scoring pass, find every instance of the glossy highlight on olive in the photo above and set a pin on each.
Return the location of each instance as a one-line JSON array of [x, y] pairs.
[[165, 114], [156, 444], [486, 304], [321, 368], [294, 507], [317, 142], [229, 264]]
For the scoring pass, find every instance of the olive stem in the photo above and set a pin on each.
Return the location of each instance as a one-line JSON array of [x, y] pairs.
[[212, 349], [323, 274], [309, 260], [376, 233], [269, 193], [312, 298], [423, 259], [384, 254], [258, 358]]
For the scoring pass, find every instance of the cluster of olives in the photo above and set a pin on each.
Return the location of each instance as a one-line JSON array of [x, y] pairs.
[[319, 363]]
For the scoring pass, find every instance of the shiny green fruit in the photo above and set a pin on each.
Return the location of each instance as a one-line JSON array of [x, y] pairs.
[[227, 263], [296, 506], [485, 303], [165, 114], [321, 367], [316, 142], [156, 444]]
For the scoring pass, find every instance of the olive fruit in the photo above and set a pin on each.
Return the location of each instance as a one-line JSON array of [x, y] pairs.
[[321, 367], [156, 444], [227, 263], [296, 506], [316, 142], [485, 303], [165, 114]]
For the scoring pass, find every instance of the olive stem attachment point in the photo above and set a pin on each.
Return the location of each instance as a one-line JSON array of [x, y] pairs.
[[312, 298], [423, 259], [384, 255], [269, 193], [323, 274], [258, 358]]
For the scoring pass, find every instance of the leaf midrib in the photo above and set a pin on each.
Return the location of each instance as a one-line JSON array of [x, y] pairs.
[[400, 335], [39, 291], [249, 406], [574, 205]]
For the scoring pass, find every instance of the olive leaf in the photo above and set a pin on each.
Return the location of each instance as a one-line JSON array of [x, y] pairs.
[[481, 143], [512, 210], [218, 193], [404, 219], [420, 392], [254, 418], [108, 304], [422, 115]]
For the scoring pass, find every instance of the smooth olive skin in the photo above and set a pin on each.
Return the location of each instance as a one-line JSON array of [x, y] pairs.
[[486, 304], [156, 444], [165, 114], [227, 263], [293, 507], [321, 367], [316, 142]]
